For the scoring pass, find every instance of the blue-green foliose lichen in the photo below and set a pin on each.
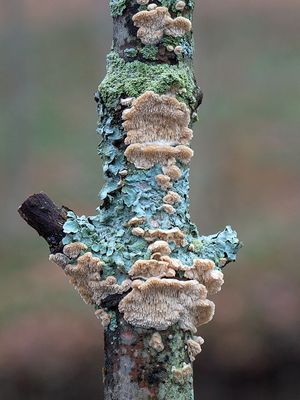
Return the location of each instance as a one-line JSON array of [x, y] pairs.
[[131, 79]]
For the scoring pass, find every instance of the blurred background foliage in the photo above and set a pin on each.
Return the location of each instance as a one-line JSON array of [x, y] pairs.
[[245, 172]]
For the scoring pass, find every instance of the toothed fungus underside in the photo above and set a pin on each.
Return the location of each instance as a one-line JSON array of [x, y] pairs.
[[159, 303]]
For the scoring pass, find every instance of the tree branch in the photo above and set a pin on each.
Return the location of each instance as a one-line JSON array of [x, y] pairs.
[[43, 215]]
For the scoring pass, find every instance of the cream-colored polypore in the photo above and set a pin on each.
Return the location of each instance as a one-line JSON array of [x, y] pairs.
[[85, 274], [158, 119], [172, 171], [194, 347], [145, 156], [203, 270], [168, 235], [164, 181], [159, 303], [171, 198], [155, 23], [151, 268]]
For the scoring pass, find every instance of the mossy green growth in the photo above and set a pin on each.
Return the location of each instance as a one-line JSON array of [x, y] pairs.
[[149, 52], [131, 79], [117, 7], [177, 357]]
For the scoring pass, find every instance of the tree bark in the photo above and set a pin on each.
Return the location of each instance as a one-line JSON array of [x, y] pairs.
[[140, 261]]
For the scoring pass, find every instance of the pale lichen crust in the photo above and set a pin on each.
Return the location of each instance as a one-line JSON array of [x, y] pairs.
[[153, 24]]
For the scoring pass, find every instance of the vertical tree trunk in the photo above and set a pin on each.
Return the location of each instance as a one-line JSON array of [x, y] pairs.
[[140, 261]]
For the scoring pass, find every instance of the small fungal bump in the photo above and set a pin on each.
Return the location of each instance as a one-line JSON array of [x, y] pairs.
[[73, 250], [168, 208], [180, 5], [152, 6], [156, 342], [178, 50], [194, 347], [123, 173], [164, 181], [180, 375], [172, 171], [59, 259], [170, 48], [136, 221], [160, 246], [191, 247], [103, 316], [138, 231], [172, 198], [127, 102]]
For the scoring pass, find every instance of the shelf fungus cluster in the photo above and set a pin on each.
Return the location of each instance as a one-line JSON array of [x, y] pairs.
[[156, 21], [84, 272]]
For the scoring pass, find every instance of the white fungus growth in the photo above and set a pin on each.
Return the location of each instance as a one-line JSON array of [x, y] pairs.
[[168, 208], [136, 221], [180, 5], [127, 102], [168, 235], [159, 303], [161, 247], [172, 198], [138, 231], [156, 342], [180, 375], [164, 181], [59, 259], [73, 250], [203, 270], [85, 275], [151, 268], [145, 156], [154, 23], [194, 347], [158, 119], [103, 316], [123, 173], [178, 50], [172, 171], [152, 6]]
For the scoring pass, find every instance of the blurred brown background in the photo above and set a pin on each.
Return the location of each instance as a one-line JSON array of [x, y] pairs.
[[245, 172]]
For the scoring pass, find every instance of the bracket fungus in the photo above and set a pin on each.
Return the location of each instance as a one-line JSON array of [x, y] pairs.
[[155, 118], [160, 303], [84, 273], [154, 23], [145, 156]]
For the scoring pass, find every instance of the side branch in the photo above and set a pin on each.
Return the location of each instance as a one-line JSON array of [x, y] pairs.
[[43, 215]]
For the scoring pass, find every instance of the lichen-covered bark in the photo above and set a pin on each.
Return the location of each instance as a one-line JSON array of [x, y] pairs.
[[140, 261]]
